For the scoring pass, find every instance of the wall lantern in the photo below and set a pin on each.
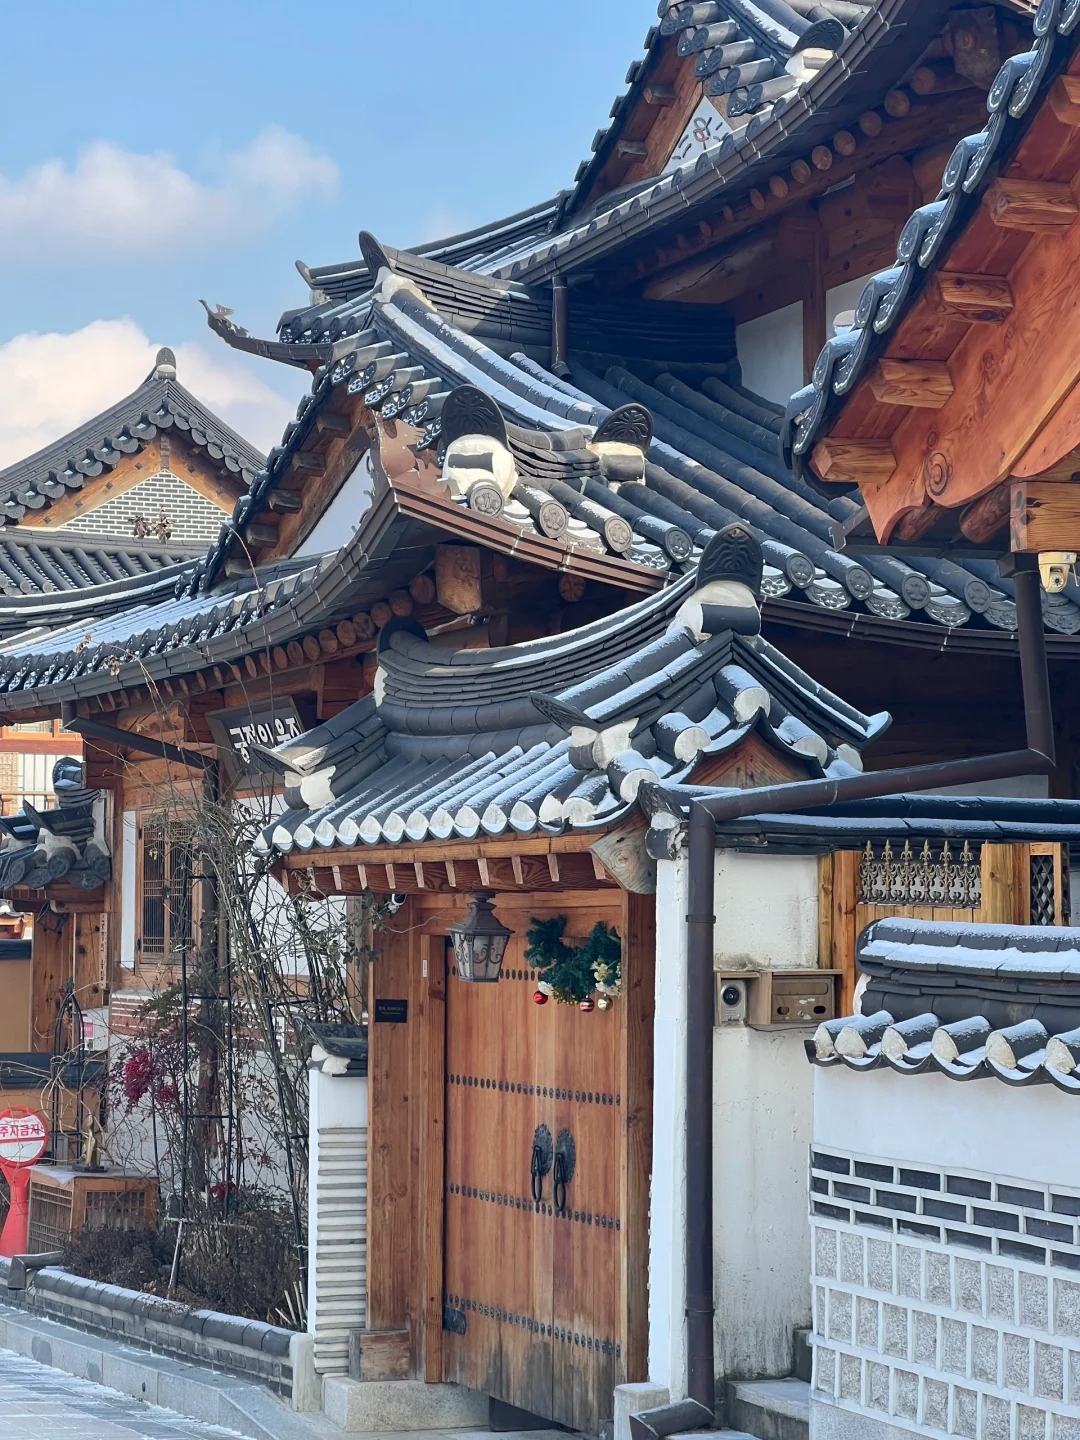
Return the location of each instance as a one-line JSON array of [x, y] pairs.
[[479, 941]]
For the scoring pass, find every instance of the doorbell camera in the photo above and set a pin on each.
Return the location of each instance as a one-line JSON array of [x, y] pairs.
[[731, 1000]]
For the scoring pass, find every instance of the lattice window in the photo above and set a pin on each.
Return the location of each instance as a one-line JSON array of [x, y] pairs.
[[115, 1210], [167, 889], [948, 877], [49, 1222], [1042, 890], [1048, 884]]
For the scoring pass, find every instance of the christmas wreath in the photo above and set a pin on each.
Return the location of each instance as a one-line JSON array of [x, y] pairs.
[[571, 973]]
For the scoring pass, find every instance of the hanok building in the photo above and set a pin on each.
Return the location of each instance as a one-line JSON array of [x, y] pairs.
[[465, 591]]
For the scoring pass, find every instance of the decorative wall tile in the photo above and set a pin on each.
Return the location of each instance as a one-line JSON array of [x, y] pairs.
[[965, 1412], [850, 1377], [1049, 1372], [984, 1354], [1066, 1307], [926, 1337], [969, 1285], [1074, 1376], [909, 1271], [1030, 1424], [1034, 1301], [1017, 1365], [894, 1340], [866, 1327], [840, 1307], [824, 1368], [1001, 1288], [938, 1279], [954, 1347], [880, 1264], [907, 1394], [996, 1419], [936, 1404], [852, 1259], [877, 1386], [1066, 1428], [825, 1252]]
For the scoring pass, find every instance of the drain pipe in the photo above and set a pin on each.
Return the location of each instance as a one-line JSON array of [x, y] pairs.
[[1036, 759]]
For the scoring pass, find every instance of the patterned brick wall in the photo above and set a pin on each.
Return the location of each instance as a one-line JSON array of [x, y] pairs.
[[194, 518], [946, 1302]]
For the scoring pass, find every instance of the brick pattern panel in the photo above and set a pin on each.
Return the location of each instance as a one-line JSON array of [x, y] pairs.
[[945, 1323]]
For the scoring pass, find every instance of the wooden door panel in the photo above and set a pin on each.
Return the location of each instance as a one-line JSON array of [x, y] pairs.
[[539, 1292], [498, 1246]]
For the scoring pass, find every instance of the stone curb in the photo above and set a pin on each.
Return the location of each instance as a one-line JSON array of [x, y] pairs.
[[187, 1389]]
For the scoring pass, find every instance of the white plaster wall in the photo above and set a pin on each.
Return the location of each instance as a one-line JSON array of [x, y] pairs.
[[342, 516], [129, 831], [667, 1210], [1027, 1134], [770, 353], [766, 911], [842, 298], [762, 1126]]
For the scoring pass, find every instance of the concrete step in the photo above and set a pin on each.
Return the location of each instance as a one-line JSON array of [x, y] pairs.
[[367, 1406], [770, 1409], [804, 1356]]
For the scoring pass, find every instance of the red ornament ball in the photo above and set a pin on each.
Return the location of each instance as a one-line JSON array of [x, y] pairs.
[[539, 998], [587, 1005]]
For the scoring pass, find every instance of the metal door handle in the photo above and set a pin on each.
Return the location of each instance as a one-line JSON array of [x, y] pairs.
[[565, 1165], [537, 1174], [560, 1184]]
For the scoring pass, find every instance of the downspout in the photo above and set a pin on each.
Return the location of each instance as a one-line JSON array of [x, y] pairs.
[[559, 322], [1036, 759]]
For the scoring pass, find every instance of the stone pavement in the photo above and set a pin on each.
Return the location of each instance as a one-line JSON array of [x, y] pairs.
[[39, 1403]]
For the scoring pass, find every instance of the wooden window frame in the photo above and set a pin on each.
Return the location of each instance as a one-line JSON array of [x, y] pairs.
[[157, 963]]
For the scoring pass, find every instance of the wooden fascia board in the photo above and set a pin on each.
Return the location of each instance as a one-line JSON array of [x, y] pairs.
[[950, 116], [204, 477], [1009, 377], [504, 848]]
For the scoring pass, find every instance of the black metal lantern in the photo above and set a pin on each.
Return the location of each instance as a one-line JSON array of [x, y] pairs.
[[479, 941]]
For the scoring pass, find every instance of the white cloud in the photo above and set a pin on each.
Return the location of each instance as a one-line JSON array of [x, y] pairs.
[[118, 203], [51, 383]]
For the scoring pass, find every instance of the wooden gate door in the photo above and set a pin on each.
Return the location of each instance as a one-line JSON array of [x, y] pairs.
[[532, 1289]]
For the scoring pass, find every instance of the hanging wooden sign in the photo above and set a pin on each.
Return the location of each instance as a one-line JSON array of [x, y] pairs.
[[239, 729]]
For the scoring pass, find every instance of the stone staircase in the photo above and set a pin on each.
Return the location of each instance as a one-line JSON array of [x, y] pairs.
[[772, 1409]]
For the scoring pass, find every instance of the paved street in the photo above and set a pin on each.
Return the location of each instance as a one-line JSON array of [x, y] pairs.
[[39, 1403]]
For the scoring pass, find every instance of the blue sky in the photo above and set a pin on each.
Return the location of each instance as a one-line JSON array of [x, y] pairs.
[[153, 155]]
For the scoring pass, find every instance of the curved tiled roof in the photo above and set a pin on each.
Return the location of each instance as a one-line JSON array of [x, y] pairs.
[[559, 733], [739, 50], [159, 404], [967, 1001], [887, 297], [66, 844], [712, 460]]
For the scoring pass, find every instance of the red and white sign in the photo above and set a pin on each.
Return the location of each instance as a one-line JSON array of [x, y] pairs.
[[23, 1137]]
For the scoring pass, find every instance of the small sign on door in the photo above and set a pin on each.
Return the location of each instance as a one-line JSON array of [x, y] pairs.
[[391, 1012]]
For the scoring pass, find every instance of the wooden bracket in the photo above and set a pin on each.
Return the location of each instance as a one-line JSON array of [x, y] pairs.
[[854, 462], [1045, 516], [1030, 204], [985, 299], [923, 383]]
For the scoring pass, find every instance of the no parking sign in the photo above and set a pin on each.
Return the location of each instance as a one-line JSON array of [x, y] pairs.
[[24, 1137]]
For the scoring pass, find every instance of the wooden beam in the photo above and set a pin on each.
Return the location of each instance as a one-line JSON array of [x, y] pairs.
[[1051, 455], [307, 460], [1065, 99], [982, 520], [261, 534], [333, 424], [1030, 204], [656, 94], [631, 149], [1045, 516], [286, 502], [853, 462], [924, 383], [981, 298]]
